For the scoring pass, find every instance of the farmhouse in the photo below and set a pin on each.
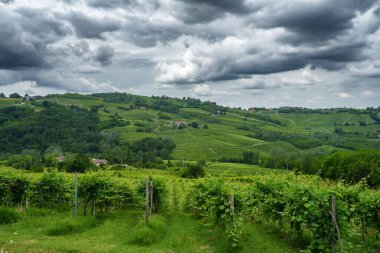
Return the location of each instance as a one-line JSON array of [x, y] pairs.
[[98, 162], [178, 123], [143, 108], [60, 158]]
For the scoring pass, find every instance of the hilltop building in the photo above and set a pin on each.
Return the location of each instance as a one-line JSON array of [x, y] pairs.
[[98, 162]]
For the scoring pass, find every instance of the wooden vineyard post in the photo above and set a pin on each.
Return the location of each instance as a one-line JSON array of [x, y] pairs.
[[335, 226], [76, 194], [146, 201], [151, 198]]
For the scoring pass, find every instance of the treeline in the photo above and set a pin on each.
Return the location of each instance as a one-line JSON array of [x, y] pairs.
[[162, 103], [349, 166], [31, 138], [312, 140], [72, 128], [148, 153], [368, 110]]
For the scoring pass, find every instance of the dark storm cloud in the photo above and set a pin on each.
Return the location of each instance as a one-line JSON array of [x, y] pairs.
[[205, 11], [103, 55], [6, 1], [92, 28], [26, 44], [110, 4], [312, 22], [144, 33]]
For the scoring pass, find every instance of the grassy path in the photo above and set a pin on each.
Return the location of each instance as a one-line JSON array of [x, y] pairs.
[[125, 232]]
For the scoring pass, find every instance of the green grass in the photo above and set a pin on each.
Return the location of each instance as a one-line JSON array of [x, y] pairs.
[[126, 232], [235, 169], [8, 215], [72, 226], [8, 101]]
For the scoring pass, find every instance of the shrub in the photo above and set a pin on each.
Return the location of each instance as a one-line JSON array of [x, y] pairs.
[[13, 187], [51, 190], [195, 170], [8, 215], [72, 226]]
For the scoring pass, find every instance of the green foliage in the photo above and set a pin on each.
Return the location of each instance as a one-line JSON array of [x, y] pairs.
[[8, 215], [160, 193], [151, 148], [105, 193], [353, 166], [81, 164], [213, 198], [73, 129], [369, 210], [196, 170], [305, 203], [195, 124], [13, 187], [52, 190]]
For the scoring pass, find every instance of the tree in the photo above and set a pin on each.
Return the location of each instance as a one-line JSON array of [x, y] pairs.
[[81, 164], [2, 95], [250, 157], [15, 95], [195, 124], [195, 170]]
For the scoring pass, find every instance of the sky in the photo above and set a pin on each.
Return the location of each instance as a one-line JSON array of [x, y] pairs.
[[240, 53]]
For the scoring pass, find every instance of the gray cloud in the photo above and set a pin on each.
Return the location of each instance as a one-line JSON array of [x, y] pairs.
[[311, 21], [92, 28], [26, 44], [103, 55], [205, 11], [136, 62], [144, 33], [109, 4]]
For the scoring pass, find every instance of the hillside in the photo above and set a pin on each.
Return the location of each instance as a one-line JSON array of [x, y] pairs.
[[222, 131]]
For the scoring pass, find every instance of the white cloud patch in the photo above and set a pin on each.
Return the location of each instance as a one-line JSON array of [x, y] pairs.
[[367, 94], [344, 95], [201, 90]]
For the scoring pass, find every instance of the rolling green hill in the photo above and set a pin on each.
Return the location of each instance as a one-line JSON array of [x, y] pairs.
[[222, 131]]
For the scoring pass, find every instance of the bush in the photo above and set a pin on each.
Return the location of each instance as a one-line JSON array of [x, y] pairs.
[[13, 187], [72, 226], [195, 170], [8, 215], [51, 190]]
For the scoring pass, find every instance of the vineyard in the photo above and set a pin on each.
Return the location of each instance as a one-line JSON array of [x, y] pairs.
[[298, 206]]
